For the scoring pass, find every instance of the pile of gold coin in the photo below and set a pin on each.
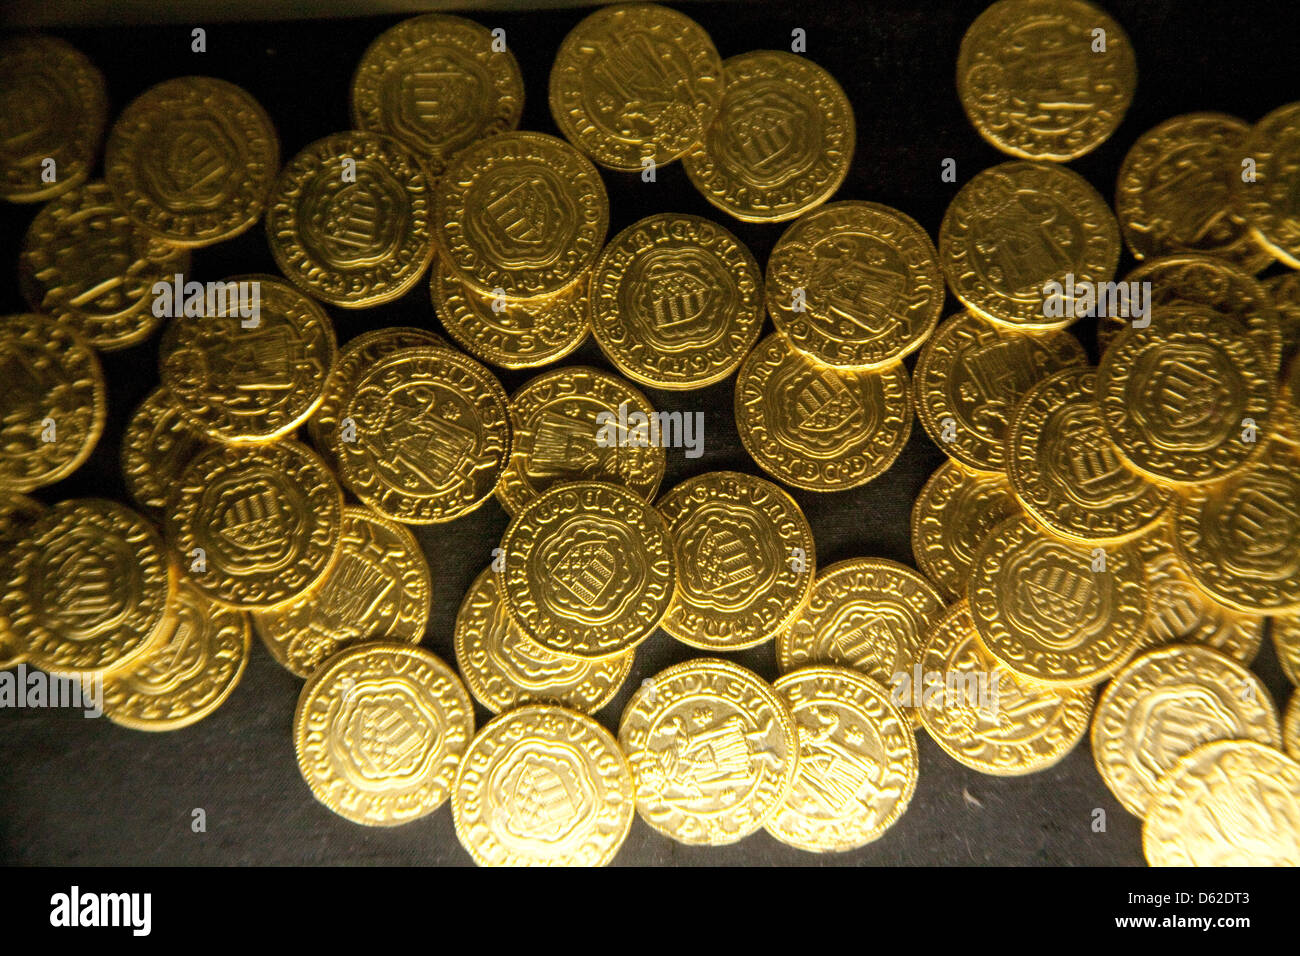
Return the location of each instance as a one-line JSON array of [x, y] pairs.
[[1135, 524]]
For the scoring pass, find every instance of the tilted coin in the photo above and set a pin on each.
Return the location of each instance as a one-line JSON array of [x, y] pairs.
[[192, 159], [16, 513], [816, 427], [53, 404], [1271, 200], [1286, 642], [676, 301], [855, 285], [713, 751], [504, 669], [432, 435], [256, 526], [543, 786], [378, 588], [159, 442], [1045, 79], [745, 560], [589, 569], [438, 83], [857, 761], [782, 142], [1018, 226], [348, 219], [1227, 803], [380, 730], [1291, 727], [636, 80], [1285, 290]]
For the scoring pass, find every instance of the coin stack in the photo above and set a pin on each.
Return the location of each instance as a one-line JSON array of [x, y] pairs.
[[1137, 522]]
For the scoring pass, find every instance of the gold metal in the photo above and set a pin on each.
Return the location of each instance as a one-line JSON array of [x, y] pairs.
[[1271, 201], [951, 517], [158, 444]]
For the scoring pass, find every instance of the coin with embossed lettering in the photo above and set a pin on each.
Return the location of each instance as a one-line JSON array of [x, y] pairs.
[[1286, 642], [1270, 201], [1285, 290], [158, 443]]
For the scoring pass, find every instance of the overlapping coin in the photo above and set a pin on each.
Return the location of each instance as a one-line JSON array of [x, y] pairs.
[[1270, 199], [159, 442]]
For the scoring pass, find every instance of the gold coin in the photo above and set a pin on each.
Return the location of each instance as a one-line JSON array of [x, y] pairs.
[[816, 427], [437, 83], [1037, 80], [512, 333], [348, 220], [1227, 803], [377, 589], [543, 786], [1057, 613], [1175, 191], [159, 442], [90, 587], [192, 159], [521, 215], [190, 671], [1271, 200], [952, 515], [971, 375], [676, 301], [1066, 471], [589, 569], [256, 526], [857, 761], [986, 716], [17, 512], [53, 405], [566, 427], [782, 142], [505, 670], [432, 435], [1286, 642], [1018, 226], [85, 263], [713, 751], [634, 81], [380, 730], [1291, 727], [1240, 538], [56, 106], [241, 377], [825, 281], [1164, 705], [1285, 291], [745, 560]]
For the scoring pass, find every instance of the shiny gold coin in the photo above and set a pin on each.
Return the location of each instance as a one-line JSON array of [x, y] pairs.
[[676, 301], [1164, 705], [189, 673], [1015, 228], [512, 333], [782, 142], [252, 368], [745, 560], [579, 424], [953, 514], [85, 263], [53, 404], [55, 108], [377, 589], [633, 81], [432, 434], [438, 84], [348, 219], [1285, 290], [256, 526], [380, 730], [159, 442], [1291, 727], [589, 569], [543, 786], [505, 670], [986, 716], [971, 375], [1227, 803], [1057, 613], [192, 160], [90, 587], [17, 512], [1066, 471], [816, 427], [1271, 202], [1035, 82], [713, 751], [1286, 642], [521, 215], [857, 761], [1175, 191]]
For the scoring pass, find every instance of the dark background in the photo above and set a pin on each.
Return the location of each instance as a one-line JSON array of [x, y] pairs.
[[77, 791]]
